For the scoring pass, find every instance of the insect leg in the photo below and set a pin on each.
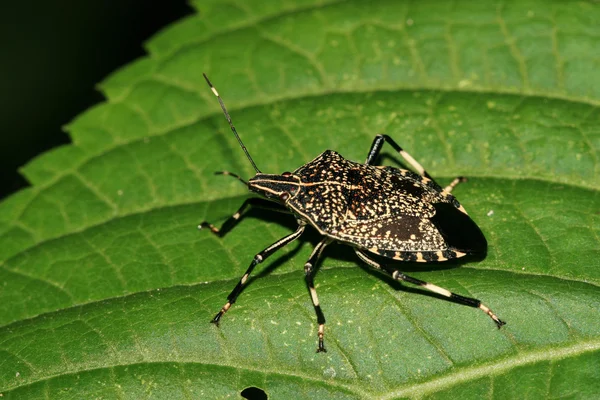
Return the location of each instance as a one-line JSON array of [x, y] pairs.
[[367, 260], [260, 257], [454, 183], [376, 149], [309, 271], [231, 221], [397, 275]]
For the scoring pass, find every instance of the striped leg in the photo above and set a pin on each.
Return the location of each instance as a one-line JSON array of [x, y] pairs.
[[397, 275], [454, 183], [376, 149], [260, 257], [309, 271], [231, 221]]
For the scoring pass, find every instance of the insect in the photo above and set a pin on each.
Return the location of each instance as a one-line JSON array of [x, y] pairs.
[[381, 212]]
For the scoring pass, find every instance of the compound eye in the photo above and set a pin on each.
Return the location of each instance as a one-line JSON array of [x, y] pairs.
[[284, 196], [286, 174]]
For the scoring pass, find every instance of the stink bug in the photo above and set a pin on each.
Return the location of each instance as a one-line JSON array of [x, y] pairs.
[[379, 211]]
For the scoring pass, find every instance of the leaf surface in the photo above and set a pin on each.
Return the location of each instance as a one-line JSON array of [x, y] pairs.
[[107, 286]]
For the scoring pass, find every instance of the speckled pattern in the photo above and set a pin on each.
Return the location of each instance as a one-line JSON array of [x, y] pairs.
[[384, 210]]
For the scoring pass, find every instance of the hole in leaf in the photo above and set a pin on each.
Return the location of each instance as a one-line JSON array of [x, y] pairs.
[[254, 393]]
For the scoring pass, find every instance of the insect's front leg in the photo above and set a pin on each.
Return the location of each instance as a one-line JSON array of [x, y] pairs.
[[260, 257], [309, 271], [230, 223]]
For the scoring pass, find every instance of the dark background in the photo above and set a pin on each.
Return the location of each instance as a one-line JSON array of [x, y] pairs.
[[52, 54]]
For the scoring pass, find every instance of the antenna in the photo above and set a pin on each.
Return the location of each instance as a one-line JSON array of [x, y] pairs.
[[230, 123]]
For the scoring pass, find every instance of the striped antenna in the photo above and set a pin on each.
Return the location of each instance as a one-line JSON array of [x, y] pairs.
[[230, 123]]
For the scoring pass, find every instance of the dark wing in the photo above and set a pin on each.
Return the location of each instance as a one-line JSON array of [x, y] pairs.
[[458, 229]]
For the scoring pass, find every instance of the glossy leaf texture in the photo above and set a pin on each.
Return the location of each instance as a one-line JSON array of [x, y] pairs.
[[107, 287]]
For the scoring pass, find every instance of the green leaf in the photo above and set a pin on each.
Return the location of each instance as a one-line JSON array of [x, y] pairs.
[[106, 286]]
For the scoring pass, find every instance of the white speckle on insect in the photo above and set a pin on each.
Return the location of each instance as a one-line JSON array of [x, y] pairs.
[[298, 323], [490, 213], [120, 192], [18, 374], [274, 322]]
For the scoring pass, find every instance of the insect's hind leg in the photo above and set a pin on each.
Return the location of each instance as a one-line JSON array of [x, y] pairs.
[[230, 223], [309, 271], [258, 258], [454, 183], [376, 149], [397, 275]]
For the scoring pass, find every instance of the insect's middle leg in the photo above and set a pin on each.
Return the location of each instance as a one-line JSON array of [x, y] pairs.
[[309, 271], [397, 275], [258, 258]]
